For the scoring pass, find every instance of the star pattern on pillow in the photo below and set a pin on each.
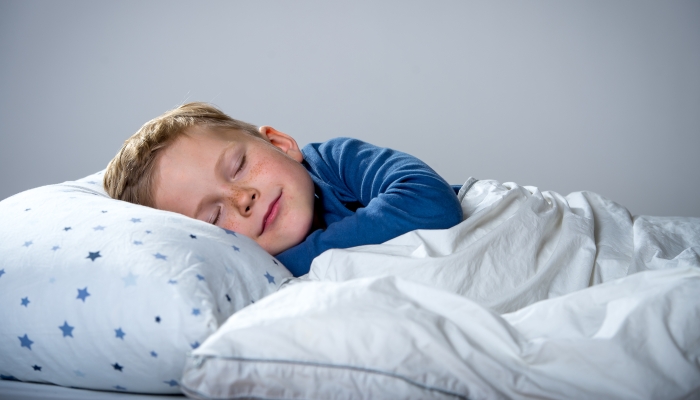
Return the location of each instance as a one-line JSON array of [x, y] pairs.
[[66, 329], [163, 264], [130, 280], [25, 341], [83, 294]]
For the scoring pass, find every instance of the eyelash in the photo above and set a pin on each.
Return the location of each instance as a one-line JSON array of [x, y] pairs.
[[216, 219], [241, 166]]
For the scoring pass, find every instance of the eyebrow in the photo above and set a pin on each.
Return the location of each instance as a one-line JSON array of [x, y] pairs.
[[218, 169]]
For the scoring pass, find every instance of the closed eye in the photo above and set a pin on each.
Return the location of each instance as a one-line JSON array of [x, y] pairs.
[[240, 167], [216, 216]]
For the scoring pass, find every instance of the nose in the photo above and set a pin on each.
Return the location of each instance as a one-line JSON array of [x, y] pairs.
[[245, 199]]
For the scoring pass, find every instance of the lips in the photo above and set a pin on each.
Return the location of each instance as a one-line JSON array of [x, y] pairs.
[[271, 213]]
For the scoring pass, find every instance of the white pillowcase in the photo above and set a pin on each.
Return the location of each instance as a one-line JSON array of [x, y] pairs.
[[102, 294]]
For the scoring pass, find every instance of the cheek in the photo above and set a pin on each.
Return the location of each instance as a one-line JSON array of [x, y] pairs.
[[231, 224]]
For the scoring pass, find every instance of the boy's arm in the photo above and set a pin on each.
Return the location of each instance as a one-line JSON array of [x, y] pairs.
[[396, 192]]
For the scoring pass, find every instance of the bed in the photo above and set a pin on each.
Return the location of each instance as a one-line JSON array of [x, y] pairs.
[[533, 295]]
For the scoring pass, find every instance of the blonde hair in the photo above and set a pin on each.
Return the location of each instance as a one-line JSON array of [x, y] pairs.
[[130, 174]]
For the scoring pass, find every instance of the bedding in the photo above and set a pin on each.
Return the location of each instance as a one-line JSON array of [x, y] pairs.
[[533, 295], [101, 294]]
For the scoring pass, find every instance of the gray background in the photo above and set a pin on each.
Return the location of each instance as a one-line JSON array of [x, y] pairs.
[[566, 96]]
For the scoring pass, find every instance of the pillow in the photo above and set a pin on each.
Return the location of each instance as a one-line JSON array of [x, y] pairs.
[[102, 294]]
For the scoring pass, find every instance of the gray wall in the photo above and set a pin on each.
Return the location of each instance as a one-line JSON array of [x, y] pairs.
[[566, 96]]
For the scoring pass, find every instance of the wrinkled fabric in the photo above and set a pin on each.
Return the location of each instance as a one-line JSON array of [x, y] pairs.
[[518, 245], [388, 338], [533, 295]]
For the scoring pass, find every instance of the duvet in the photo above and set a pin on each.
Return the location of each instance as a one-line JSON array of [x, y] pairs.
[[533, 295]]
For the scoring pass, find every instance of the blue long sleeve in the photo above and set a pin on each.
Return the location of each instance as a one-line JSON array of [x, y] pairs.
[[395, 192]]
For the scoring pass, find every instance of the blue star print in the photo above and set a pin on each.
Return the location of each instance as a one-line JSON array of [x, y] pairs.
[[36, 367], [117, 366], [92, 256], [158, 319], [120, 333], [193, 236], [130, 280], [120, 387], [270, 278], [236, 248], [54, 248], [160, 256], [67, 329], [135, 220], [25, 301], [99, 228], [194, 345], [172, 282], [83, 294], [2, 272], [138, 242], [200, 277], [25, 341], [79, 373], [171, 382], [228, 232], [195, 311], [67, 228], [228, 298], [154, 354], [27, 244]]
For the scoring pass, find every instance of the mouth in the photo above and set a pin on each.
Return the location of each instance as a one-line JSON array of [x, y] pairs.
[[271, 213]]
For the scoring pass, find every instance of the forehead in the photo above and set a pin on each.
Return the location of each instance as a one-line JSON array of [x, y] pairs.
[[196, 148], [199, 142]]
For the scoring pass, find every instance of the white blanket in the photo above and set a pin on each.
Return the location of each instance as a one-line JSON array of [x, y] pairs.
[[499, 306], [518, 245]]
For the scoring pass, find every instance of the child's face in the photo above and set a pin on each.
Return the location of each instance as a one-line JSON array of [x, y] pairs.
[[236, 181]]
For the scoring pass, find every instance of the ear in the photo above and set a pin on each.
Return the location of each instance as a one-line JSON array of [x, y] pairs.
[[282, 141]]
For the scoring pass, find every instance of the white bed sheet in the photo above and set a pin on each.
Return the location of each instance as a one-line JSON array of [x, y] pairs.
[[12, 390]]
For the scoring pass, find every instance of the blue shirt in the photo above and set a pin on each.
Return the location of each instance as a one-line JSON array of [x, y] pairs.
[[368, 195]]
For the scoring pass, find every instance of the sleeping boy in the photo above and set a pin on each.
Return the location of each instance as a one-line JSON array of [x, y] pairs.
[[295, 203]]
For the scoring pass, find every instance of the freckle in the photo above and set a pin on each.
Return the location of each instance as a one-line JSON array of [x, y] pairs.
[[255, 171], [233, 196]]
